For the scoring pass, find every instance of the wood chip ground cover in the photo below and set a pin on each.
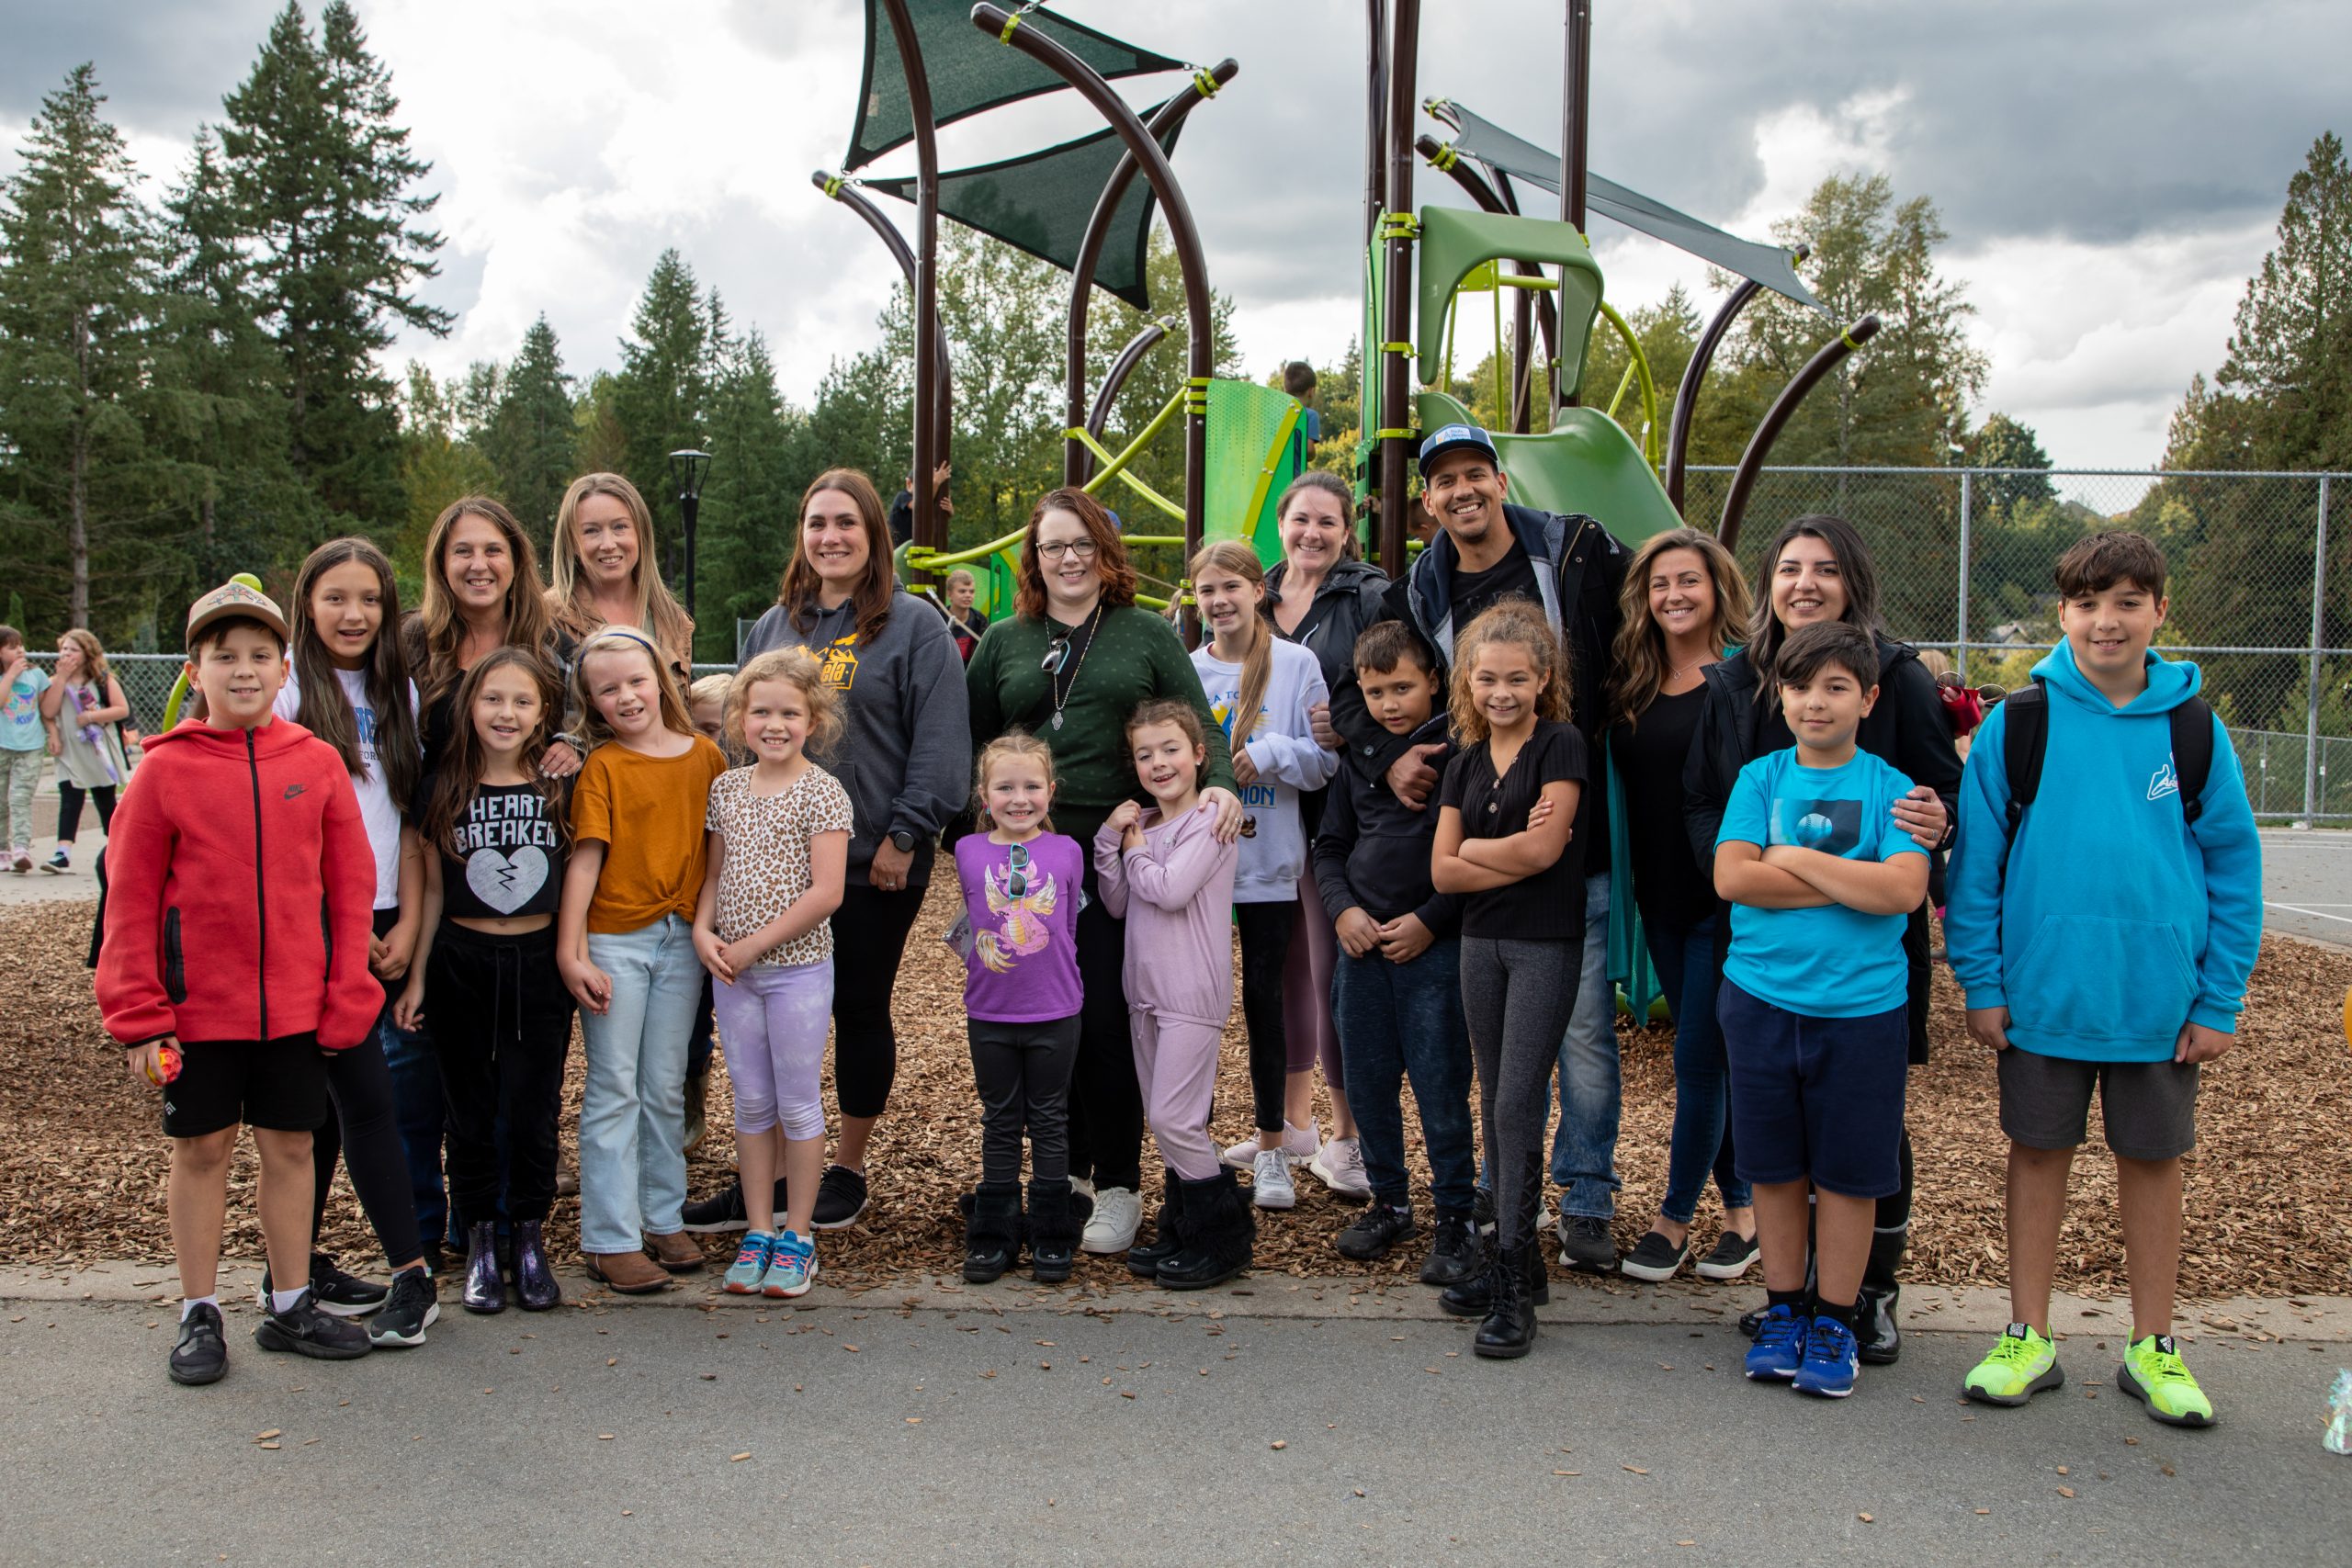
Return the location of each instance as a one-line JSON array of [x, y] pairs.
[[82, 1156]]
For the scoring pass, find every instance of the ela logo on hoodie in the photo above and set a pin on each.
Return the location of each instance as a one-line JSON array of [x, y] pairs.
[[839, 667]]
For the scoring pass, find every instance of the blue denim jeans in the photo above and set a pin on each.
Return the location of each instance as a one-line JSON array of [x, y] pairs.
[[1404, 1020], [633, 1112], [1584, 1153], [420, 1113], [1685, 960]]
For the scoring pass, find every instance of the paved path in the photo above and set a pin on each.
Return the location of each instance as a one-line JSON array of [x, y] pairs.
[[980, 1427]]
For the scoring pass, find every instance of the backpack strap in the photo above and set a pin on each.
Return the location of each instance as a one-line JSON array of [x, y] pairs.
[[2024, 743], [2192, 753]]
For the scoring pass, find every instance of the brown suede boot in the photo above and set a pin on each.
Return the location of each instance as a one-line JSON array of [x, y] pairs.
[[677, 1252], [629, 1273]]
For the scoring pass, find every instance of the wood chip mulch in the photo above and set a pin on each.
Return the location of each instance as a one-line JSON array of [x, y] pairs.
[[82, 1156]]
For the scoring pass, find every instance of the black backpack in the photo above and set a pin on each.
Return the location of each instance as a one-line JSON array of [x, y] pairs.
[[2028, 738]]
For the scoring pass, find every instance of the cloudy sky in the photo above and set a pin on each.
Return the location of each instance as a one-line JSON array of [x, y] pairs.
[[2109, 170]]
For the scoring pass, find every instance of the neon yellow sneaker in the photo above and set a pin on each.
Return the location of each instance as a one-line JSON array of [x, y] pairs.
[[2021, 1364], [2152, 1373]]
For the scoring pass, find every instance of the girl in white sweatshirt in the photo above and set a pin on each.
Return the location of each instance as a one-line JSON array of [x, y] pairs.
[[1262, 690]]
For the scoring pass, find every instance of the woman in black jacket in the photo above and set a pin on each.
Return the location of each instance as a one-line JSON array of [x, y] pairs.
[[1319, 596], [1818, 569]]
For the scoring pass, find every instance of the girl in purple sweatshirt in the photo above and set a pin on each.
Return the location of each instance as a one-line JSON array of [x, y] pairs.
[[1161, 869]]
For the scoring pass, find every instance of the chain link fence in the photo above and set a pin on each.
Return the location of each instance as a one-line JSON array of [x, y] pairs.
[[2261, 586]]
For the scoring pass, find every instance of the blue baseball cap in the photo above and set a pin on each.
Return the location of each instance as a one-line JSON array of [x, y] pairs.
[[1456, 438]]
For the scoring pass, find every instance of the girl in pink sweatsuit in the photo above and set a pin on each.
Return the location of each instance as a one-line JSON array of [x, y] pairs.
[[1164, 873]]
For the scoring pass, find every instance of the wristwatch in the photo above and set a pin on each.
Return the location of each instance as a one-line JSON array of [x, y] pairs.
[[902, 840]]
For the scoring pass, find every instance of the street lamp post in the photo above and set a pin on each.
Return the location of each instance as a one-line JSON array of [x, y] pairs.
[[688, 469]]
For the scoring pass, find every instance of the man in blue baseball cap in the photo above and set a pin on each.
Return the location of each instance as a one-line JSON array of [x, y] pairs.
[[1571, 567]]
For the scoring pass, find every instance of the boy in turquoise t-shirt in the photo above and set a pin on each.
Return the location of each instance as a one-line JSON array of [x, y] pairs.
[[1821, 878], [24, 746], [2105, 946]]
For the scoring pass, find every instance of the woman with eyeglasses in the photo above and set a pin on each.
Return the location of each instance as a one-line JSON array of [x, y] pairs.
[[903, 758], [1074, 660]]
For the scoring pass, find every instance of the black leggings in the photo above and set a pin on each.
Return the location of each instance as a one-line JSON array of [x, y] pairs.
[[69, 808], [364, 1130], [1022, 1073], [1266, 930], [869, 937], [501, 1026]]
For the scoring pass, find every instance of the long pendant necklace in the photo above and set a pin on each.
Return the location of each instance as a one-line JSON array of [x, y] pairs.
[[1062, 693]]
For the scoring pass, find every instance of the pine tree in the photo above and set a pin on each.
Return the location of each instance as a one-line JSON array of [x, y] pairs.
[[217, 413], [77, 282], [531, 436], [321, 179], [747, 528], [2291, 351], [662, 395]]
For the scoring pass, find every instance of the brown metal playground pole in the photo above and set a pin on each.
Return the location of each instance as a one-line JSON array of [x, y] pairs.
[[1006, 27], [1576, 119], [849, 196], [1077, 463], [1396, 318], [1759, 444], [930, 445]]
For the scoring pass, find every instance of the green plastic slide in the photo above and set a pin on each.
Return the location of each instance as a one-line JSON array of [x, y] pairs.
[[1587, 463]]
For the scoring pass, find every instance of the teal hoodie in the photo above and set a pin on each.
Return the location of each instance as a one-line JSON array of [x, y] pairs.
[[2116, 922]]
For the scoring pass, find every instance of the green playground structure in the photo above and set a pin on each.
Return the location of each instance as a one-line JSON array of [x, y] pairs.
[[1078, 205]]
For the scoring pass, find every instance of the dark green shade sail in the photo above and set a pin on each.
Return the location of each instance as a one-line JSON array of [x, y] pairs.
[[1040, 203], [968, 70], [1484, 141]]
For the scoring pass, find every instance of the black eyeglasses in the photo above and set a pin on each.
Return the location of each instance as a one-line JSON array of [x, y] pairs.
[[1016, 882], [1055, 550]]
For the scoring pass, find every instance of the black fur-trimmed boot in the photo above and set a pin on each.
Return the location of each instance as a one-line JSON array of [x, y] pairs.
[[1877, 1339], [1055, 1222], [991, 1232], [1218, 1231], [1508, 1330], [1144, 1258]]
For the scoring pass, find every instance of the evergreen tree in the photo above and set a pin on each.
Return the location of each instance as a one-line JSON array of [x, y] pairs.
[[436, 466], [321, 179], [662, 395], [531, 436], [76, 280], [2291, 351], [749, 498], [216, 412]]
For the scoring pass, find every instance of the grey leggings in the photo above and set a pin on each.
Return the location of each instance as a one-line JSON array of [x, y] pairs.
[[1516, 998]]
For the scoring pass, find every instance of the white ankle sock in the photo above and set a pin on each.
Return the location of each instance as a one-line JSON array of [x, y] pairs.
[[192, 1303], [283, 1301]]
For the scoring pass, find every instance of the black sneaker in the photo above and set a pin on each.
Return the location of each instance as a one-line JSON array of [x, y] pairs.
[[307, 1330], [410, 1308], [1380, 1227], [1656, 1259], [841, 1198], [1482, 1210], [344, 1295], [201, 1355], [1733, 1256], [724, 1211], [1455, 1254], [1585, 1245]]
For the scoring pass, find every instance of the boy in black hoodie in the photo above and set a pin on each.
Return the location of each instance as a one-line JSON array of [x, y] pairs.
[[1397, 995]]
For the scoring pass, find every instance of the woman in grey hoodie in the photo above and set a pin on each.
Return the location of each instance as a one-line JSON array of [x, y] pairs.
[[905, 757]]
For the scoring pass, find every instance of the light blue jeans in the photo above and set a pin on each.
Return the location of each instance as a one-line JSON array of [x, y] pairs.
[[633, 1112], [1584, 1153]]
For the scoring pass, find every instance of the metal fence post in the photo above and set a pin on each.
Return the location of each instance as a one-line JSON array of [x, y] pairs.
[[2319, 625], [1960, 630]]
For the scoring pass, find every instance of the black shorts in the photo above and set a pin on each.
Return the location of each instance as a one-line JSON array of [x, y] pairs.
[[278, 1083], [1817, 1098]]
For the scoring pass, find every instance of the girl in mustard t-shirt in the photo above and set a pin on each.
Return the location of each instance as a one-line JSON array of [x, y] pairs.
[[625, 945]]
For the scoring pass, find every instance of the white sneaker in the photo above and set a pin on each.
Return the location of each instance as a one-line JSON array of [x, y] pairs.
[[1242, 1156], [1078, 1184], [1273, 1187], [1117, 1213], [1339, 1163], [1302, 1144]]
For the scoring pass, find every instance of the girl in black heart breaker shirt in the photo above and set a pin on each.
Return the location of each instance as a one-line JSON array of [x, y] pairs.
[[485, 969]]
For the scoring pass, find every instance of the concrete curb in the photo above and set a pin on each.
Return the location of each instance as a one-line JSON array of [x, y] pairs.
[[1927, 1308]]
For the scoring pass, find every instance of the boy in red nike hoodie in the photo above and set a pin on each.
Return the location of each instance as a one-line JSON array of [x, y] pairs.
[[238, 885]]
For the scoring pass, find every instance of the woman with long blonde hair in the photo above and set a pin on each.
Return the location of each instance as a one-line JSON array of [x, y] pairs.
[[606, 572], [1684, 607]]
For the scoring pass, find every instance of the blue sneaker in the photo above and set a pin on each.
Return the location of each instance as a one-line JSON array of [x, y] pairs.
[[791, 1267], [1831, 1361], [751, 1264], [1779, 1350]]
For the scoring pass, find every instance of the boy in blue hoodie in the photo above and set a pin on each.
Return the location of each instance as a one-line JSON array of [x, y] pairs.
[[2125, 981]]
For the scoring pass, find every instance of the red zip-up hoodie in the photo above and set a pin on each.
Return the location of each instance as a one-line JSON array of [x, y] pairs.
[[239, 888]]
